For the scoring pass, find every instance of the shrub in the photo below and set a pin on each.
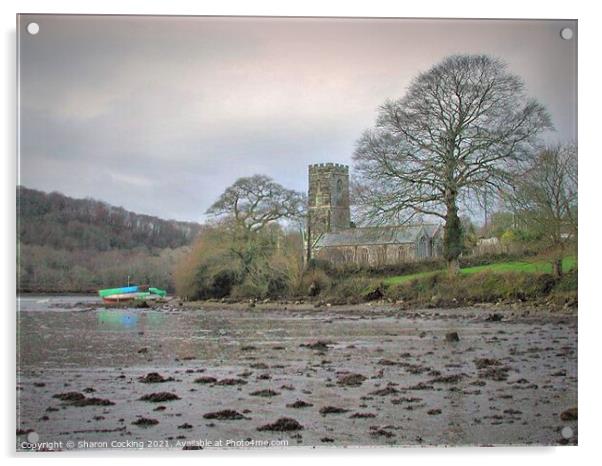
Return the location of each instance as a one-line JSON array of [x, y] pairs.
[[224, 262], [222, 283], [568, 282], [355, 289], [314, 282]]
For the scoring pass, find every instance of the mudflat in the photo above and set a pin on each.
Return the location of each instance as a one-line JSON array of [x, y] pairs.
[[218, 376]]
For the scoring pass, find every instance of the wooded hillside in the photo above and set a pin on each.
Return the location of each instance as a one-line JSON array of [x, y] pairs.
[[80, 245]]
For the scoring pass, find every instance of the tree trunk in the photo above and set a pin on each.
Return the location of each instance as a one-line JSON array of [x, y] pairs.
[[453, 267], [557, 267], [452, 238]]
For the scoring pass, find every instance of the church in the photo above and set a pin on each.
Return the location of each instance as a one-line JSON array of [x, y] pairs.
[[332, 236]]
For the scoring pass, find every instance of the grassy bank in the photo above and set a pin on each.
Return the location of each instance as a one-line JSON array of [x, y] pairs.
[[534, 266], [508, 281]]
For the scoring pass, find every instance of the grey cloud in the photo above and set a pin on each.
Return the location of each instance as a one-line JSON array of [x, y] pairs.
[[159, 115]]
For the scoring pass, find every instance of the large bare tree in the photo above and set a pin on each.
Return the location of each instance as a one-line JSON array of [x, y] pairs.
[[465, 126], [545, 198], [255, 202]]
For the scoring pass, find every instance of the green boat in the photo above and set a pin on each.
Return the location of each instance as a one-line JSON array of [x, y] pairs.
[[131, 293]]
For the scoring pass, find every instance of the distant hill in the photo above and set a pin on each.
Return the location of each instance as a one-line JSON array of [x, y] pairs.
[[65, 223]]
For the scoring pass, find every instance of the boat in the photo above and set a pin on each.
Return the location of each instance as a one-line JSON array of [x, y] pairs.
[[131, 293]]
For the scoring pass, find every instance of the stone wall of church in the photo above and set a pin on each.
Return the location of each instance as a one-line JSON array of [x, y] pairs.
[[369, 255]]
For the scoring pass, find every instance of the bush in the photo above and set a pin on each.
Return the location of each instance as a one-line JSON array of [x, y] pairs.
[[567, 283], [250, 289], [356, 289], [223, 282], [224, 262], [314, 282]]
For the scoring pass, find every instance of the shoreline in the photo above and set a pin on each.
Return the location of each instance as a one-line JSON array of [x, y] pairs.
[[317, 306]]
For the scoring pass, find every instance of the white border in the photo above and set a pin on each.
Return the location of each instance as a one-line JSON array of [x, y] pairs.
[[590, 171]]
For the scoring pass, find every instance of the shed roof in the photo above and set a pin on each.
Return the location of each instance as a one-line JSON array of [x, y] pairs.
[[398, 234]]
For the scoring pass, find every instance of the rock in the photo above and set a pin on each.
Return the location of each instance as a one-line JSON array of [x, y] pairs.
[[299, 404], [284, 424], [352, 380], [69, 396], [145, 422], [381, 433], [498, 374], [159, 397], [495, 317], [483, 363], [259, 365], [569, 414], [231, 382], [224, 415], [388, 390], [387, 362], [92, 402], [332, 410], [374, 295], [264, 393], [205, 379], [421, 386], [433, 412], [321, 345], [452, 336], [154, 377], [80, 400], [362, 415], [453, 378]]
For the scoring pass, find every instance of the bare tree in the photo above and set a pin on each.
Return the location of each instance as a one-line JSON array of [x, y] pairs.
[[464, 126], [545, 199], [256, 201]]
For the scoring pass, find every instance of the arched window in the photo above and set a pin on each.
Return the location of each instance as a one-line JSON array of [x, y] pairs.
[[422, 248], [339, 190]]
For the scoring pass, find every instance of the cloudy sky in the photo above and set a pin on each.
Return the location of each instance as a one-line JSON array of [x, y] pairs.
[[160, 114]]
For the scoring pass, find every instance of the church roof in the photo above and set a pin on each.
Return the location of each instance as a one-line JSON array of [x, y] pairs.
[[398, 234]]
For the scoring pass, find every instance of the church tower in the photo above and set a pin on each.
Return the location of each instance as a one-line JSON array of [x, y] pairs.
[[328, 200]]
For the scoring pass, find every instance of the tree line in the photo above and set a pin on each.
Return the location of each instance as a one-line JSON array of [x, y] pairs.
[[53, 219], [81, 245]]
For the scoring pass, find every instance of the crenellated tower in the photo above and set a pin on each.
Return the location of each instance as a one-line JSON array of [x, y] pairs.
[[328, 200]]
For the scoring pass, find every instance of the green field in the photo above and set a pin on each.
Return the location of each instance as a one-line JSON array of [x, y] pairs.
[[534, 266]]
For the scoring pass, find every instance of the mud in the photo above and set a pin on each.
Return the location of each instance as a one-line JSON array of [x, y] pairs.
[[392, 374]]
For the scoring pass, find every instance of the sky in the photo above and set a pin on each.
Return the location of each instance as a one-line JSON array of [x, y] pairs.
[[160, 114]]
